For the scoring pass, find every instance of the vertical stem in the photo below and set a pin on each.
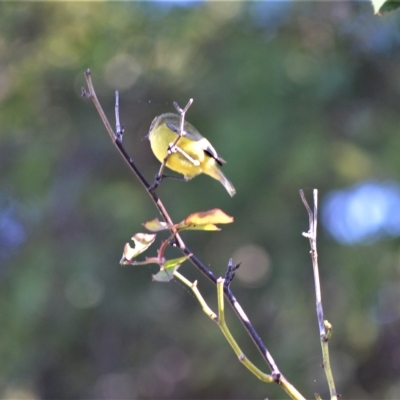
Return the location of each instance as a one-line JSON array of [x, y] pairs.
[[324, 336]]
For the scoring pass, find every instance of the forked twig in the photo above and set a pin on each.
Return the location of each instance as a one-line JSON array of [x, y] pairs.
[[220, 321]]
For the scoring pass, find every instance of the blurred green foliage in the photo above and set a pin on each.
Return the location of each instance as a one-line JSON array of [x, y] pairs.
[[293, 95]]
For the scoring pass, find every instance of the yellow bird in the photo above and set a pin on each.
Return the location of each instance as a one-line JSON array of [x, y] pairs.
[[194, 156]]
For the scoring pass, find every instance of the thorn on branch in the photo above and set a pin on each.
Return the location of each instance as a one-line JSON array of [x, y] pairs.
[[119, 135], [85, 93], [276, 377], [329, 329]]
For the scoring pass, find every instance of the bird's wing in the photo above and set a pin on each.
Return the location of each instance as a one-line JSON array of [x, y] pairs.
[[209, 149], [192, 133]]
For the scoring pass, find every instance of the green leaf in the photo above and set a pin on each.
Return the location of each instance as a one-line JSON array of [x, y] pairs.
[[166, 273], [383, 6], [206, 227], [174, 263], [163, 276], [155, 225], [214, 216], [200, 221], [205, 220]]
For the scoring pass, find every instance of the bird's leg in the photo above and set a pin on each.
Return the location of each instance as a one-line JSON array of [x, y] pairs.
[[172, 148], [179, 178], [175, 149], [158, 179]]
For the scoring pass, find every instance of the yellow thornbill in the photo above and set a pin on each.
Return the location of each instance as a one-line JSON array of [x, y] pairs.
[[194, 156]]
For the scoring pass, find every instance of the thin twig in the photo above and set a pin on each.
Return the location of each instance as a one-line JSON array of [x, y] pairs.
[[173, 148], [312, 236], [220, 320], [324, 333], [182, 113], [193, 286]]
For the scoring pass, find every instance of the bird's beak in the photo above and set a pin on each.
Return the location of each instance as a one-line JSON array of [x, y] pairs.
[[145, 137]]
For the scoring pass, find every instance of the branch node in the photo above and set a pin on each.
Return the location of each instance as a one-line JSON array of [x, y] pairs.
[[180, 110], [276, 376], [85, 93], [230, 272]]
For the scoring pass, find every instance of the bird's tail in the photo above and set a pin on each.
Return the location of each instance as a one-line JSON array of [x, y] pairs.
[[219, 176]]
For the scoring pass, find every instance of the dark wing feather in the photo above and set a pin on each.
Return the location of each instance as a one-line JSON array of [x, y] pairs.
[[192, 133], [216, 156]]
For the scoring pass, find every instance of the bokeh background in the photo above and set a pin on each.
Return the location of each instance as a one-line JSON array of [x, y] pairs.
[[293, 95]]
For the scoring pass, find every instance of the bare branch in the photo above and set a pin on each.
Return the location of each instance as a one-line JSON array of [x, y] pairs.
[[312, 236], [323, 332]]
